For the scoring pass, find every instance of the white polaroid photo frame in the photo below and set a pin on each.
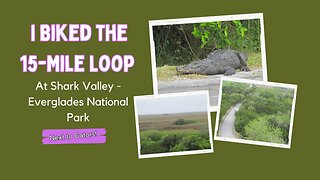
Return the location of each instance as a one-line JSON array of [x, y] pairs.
[[243, 141], [173, 95], [200, 20]]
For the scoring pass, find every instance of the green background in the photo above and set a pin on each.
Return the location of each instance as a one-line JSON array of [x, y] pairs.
[[292, 36]]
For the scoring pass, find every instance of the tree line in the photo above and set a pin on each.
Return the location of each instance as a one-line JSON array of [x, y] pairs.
[[183, 43]]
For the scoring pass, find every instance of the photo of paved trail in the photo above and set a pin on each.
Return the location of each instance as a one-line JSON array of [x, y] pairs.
[[255, 112], [227, 125]]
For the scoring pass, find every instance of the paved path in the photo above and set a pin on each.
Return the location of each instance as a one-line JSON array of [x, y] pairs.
[[226, 129], [211, 83]]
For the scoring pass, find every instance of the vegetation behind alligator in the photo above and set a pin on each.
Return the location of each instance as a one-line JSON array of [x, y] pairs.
[[222, 61]]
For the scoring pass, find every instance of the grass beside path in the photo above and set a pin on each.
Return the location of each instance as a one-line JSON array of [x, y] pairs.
[[254, 60], [167, 73]]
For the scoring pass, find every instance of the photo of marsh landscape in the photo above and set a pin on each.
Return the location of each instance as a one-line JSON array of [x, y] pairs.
[[257, 112], [173, 123]]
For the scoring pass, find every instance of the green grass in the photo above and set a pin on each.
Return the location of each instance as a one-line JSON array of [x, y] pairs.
[[254, 60], [167, 73]]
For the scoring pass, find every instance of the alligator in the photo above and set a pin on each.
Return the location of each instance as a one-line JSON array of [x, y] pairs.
[[222, 61]]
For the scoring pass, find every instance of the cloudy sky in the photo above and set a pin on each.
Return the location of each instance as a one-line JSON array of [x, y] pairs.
[[173, 104]]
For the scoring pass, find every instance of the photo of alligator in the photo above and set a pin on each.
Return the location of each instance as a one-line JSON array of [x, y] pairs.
[[193, 54]]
